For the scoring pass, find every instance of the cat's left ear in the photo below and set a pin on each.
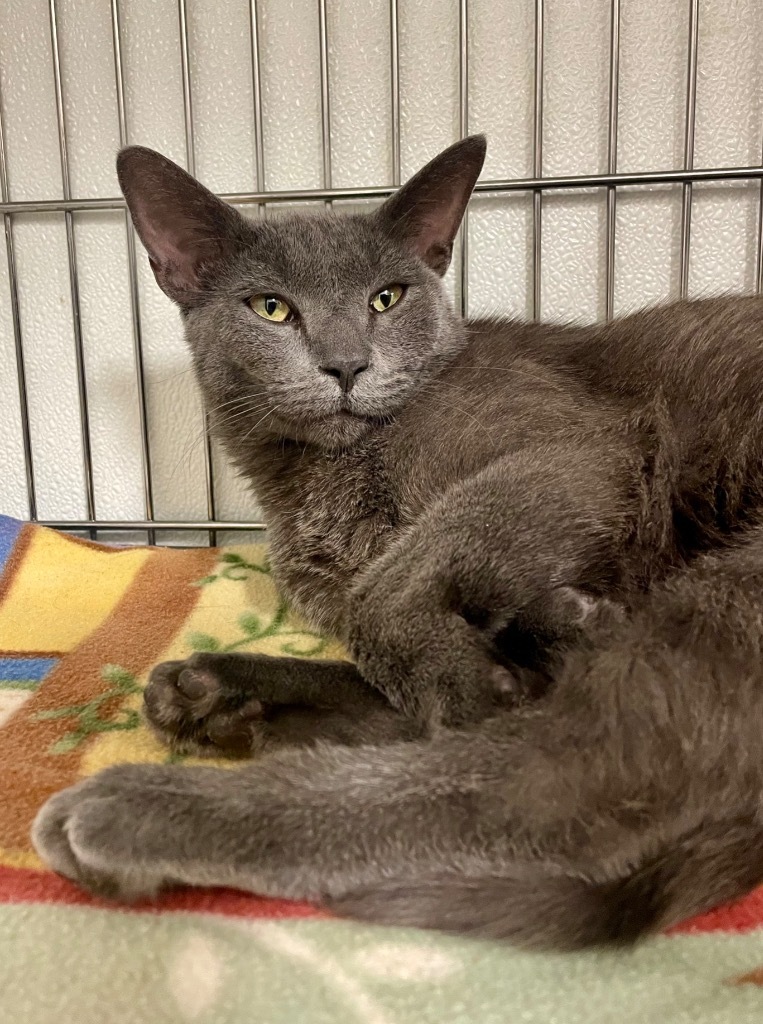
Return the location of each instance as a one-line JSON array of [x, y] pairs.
[[188, 232], [425, 214]]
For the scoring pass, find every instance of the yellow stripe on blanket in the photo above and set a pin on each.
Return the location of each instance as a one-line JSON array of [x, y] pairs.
[[62, 591]]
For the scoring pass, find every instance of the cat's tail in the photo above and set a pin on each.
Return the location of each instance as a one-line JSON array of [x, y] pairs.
[[540, 906]]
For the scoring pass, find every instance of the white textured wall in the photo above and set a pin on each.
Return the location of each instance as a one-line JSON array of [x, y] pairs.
[[651, 116]]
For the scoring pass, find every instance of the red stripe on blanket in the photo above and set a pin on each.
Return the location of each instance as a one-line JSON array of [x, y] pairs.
[[23, 885], [743, 915]]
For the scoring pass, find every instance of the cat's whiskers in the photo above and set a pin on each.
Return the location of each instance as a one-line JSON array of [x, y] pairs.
[[243, 404], [158, 381], [237, 410], [240, 406], [187, 452], [270, 412], [518, 373]]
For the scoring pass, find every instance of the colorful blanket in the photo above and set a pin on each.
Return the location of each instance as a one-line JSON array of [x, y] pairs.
[[80, 625]]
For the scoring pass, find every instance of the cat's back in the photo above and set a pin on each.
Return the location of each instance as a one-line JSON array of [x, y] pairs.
[[694, 366], [699, 351]]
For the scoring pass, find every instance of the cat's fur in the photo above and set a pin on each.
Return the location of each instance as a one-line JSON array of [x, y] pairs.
[[543, 547]]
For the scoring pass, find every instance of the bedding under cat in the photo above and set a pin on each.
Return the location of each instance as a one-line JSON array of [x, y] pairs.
[[543, 547]]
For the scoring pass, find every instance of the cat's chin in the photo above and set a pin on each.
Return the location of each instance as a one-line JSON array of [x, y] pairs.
[[338, 430]]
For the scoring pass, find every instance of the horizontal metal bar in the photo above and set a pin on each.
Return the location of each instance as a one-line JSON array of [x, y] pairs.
[[318, 195], [147, 524]]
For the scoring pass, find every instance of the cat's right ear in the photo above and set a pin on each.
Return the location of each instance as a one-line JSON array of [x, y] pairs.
[[425, 214], [187, 231]]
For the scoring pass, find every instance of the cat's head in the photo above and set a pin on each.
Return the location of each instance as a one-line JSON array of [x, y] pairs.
[[310, 327]]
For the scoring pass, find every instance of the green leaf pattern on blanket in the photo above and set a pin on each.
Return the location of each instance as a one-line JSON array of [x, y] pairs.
[[123, 683], [88, 717], [254, 629], [233, 567]]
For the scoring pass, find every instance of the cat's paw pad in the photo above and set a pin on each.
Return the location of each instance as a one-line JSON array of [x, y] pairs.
[[190, 706]]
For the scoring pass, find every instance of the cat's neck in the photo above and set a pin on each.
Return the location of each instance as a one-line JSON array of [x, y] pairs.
[[278, 465]]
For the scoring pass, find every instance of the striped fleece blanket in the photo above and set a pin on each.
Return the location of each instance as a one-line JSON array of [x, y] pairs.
[[80, 625]]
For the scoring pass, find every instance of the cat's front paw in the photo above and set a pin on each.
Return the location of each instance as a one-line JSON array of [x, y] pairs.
[[194, 710], [87, 834]]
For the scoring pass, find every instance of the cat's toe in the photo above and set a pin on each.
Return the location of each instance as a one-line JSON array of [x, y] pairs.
[[188, 705], [49, 833], [73, 832]]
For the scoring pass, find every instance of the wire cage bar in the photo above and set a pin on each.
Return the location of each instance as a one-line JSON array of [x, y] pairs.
[[26, 438], [614, 90], [79, 351], [607, 184], [132, 270], [537, 160], [690, 124]]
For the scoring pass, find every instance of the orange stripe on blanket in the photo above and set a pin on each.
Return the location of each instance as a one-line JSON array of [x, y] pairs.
[[138, 629], [22, 885]]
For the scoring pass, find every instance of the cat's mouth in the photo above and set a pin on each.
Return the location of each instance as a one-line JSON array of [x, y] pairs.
[[347, 410], [347, 413], [343, 413]]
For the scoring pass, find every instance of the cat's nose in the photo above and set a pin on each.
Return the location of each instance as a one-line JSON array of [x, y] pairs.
[[345, 371]]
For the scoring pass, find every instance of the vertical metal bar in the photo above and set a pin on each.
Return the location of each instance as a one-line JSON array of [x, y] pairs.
[[259, 146], [537, 158], [190, 153], [185, 70], [87, 459], [691, 111], [614, 92], [759, 259], [26, 436], [394, 84], [463, 129], [132, 266], [325, 95]]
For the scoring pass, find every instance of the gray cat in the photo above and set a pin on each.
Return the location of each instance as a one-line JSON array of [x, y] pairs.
[[543, 548]]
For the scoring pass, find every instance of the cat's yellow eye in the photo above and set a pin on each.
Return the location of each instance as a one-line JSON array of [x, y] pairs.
[[386, 298], [270, 307]]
